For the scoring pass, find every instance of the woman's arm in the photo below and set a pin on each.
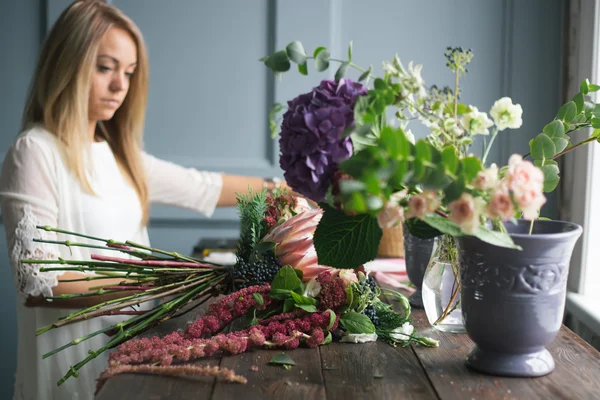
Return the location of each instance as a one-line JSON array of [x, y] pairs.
[[200, 191]]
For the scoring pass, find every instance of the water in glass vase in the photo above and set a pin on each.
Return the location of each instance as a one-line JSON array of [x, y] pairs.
[[441, 297]]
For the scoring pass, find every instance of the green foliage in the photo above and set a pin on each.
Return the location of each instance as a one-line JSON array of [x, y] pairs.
[[344, 241], [357, 323], [554, 141], [251, 209]]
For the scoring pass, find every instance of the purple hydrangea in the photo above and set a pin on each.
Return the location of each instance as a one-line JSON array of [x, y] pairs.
[[311, 141]]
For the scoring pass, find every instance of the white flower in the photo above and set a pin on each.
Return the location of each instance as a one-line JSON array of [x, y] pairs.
[[476, 122], [358, 337], [414, 81], [313, 288], [389, 68], [452, 127], [410, 136], [506, 114], [402, 332]]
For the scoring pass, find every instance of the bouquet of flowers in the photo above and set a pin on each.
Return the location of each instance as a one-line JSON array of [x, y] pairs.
[[276, 284], [368, 173]]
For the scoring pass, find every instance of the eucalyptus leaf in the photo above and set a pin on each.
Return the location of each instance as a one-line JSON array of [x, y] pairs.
[[278, 62], [365, 74], [295, 52], [567, 112], [303, 69], [584, 87], [350, 52], [542, 147], [318, 50], [551, 177], [322, 60], [579, 102], [555, 128], [341, 71], [593, 88]]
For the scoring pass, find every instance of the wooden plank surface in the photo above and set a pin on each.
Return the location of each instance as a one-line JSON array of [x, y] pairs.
[[576, 376], [371, 371]]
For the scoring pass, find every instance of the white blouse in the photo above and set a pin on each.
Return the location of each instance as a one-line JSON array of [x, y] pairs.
[[37, 188]]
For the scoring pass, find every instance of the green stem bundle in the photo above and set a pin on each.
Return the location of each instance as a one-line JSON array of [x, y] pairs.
[[149, 274]]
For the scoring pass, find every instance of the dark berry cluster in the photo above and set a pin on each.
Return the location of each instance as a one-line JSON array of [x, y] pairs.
[[369, 311], [254, 273]]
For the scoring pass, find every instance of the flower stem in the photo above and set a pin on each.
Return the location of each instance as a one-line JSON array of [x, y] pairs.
[[124, 335], [565, 151], [120, 303], [489, 146]]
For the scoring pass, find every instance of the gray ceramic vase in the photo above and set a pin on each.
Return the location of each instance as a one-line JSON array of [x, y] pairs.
[[513, 301], [417, 253]]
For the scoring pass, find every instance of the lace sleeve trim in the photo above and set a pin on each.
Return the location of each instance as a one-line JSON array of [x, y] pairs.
[[28, 278]]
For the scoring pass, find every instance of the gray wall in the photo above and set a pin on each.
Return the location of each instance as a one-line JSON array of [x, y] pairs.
[[209, 97]]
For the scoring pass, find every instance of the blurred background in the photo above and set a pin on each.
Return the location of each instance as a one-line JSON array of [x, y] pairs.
[[210, 96]]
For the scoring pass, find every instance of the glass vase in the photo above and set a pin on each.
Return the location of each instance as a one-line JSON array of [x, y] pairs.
[[441, 287]]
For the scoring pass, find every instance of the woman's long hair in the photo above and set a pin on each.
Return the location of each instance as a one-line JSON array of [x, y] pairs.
[[59, 94]]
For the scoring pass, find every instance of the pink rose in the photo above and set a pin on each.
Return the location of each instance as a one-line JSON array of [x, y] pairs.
[[501, 205], [486, 179], [422, 204], [391, 215], [465, 213]]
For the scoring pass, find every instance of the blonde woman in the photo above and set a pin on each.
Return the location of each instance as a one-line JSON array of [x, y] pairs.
[[79, 165]]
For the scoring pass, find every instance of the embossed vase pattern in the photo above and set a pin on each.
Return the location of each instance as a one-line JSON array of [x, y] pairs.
[[417, 253], [513, 301]]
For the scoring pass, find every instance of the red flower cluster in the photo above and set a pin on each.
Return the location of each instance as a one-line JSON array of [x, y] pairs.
[[222, 312], [278, 207], [180, 347], [333, 293]]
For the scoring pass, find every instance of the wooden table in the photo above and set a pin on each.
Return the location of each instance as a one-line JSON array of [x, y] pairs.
[[372, 371]]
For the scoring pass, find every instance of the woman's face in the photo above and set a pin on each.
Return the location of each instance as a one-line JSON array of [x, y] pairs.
[[115, 65]]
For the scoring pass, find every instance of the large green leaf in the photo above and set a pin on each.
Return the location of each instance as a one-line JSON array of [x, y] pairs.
[[470, 168], [420, 229], [443, 225], [344, 241], [496, 238], [357, 323], [286, 279]]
